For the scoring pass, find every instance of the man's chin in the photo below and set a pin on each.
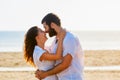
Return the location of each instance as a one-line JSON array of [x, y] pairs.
[[51, 35]]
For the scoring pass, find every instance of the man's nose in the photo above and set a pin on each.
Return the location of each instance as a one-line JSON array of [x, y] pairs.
[[46, 31]]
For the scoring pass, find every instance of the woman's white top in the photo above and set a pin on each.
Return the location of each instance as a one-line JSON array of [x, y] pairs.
[[44, 64]]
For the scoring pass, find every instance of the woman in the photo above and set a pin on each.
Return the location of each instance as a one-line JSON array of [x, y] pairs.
[[36, 54]]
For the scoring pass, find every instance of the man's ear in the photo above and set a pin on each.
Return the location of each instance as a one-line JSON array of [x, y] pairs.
[[53, 25]]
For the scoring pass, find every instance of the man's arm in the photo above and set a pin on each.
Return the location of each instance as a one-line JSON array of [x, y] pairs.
[[57, 69], [62, 66]]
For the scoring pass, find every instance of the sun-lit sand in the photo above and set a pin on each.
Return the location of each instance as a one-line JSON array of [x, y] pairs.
[[102, 58], [92, 58]]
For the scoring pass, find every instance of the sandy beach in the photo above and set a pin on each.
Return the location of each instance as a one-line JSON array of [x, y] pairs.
[[92, 58]]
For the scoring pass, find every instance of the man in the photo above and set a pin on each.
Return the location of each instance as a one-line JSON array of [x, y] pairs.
[[70, 67]]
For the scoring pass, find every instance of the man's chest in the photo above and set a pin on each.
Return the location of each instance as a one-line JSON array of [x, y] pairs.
[[54, 48]]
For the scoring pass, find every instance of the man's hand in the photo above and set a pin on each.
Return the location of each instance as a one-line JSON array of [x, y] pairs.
[[40, 74]]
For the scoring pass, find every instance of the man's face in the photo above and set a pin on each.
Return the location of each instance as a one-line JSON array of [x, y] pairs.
[[49, 30]]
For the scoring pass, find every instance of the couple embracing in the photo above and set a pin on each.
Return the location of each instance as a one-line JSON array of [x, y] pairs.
[[63, 60]]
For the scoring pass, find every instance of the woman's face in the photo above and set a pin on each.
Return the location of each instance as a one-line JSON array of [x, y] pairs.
[[41, 36]]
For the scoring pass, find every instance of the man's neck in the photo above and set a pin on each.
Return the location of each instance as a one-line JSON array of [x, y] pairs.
[[58, 31]]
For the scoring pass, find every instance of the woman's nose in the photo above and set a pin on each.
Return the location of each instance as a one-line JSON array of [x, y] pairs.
[[44, 33]]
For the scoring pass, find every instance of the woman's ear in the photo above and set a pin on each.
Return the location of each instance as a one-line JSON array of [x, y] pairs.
[[36, 38]]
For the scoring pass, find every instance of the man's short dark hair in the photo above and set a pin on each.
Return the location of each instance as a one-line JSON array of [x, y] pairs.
[[51, 17]]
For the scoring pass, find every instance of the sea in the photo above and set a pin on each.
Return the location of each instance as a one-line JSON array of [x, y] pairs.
[[12, 41]]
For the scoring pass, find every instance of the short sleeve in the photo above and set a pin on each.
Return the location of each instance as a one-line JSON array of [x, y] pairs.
[[38, 53], [69, 47]]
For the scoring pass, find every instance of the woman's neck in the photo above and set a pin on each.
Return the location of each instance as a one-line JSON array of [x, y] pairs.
[[41, 45]]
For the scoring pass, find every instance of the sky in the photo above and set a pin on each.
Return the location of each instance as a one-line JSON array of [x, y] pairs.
[[74, 14]]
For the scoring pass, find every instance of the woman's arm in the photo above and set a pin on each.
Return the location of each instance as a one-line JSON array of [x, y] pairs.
[[58, 55]]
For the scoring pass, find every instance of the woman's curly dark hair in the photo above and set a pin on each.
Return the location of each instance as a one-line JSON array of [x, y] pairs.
[[29, 44]]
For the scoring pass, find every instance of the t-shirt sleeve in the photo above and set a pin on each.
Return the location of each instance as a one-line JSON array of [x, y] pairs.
[[39, 53], [69, 47]]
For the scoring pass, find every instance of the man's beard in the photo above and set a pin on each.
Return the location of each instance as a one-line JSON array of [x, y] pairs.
[[52, 32]]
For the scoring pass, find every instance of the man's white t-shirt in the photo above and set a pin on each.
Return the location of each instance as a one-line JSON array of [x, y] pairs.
[[44, 64], [71, 45]]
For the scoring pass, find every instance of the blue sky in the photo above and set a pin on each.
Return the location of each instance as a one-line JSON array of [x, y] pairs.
[[74, 14]]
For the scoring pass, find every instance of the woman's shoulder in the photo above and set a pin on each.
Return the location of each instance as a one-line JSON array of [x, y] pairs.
[[38, 49]]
